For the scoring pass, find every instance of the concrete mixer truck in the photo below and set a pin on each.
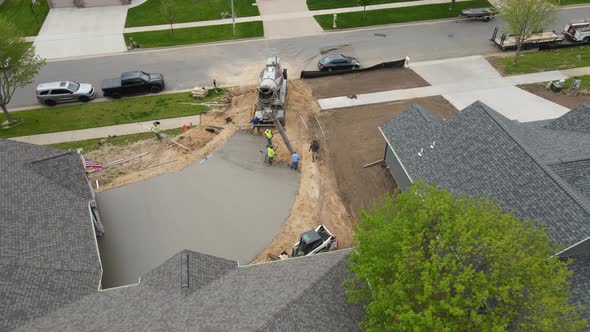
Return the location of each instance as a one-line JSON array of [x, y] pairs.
[[272, 93]]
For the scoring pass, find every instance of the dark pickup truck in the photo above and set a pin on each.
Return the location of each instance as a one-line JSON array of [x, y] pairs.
[[131, 83]]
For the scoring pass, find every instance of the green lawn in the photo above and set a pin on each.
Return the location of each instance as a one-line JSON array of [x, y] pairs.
[[100, 114], [93, 144], [532, 62], [19, 13], [196, 35], [569, 2], [148, 13], [397, 15], [329, 4], [585, 86]]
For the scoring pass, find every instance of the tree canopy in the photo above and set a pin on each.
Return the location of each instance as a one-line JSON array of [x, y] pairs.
[[18, 63], [430, 261], [525, 17]]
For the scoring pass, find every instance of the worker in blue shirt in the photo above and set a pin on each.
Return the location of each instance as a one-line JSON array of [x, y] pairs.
[[294, 161], [255, 122]]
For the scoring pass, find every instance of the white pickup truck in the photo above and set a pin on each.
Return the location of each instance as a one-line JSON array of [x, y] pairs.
[[314, 241], [578, 31]]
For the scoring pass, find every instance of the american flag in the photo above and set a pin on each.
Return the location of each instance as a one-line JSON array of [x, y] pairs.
[[90, 163]]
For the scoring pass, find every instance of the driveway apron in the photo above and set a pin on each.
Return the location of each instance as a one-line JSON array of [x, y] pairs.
[[72, 32]]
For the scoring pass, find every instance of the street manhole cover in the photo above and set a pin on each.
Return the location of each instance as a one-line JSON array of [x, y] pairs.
[[451, 36]]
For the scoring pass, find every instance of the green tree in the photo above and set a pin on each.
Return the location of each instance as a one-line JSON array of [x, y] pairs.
[[430, 261], [168, 11], [525, 17], [18, 64]]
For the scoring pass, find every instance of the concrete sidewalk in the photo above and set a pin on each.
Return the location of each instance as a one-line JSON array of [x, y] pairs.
[[286, 18], [463, 81], [100, 132]]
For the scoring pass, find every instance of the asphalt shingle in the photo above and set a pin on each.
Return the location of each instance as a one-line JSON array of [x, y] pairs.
[[479, 153], [292, 295], [48, 253]]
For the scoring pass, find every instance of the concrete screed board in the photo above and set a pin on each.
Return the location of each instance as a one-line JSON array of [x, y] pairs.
[[230, 206]]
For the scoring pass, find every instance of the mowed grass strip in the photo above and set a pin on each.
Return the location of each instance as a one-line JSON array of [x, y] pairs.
[[330, 4], [148, 13], [19, 13], [397, 15], [569, 2], [123, 140], [184, 36], [533, 62], [107, 113]]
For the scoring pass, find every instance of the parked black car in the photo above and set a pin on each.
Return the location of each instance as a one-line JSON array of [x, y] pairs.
[[338, 62], [131, 83]]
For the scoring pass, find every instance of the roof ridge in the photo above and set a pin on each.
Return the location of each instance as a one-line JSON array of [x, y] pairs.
[[568, 160], [558, 180], [422, 111], [53, 157], [286, 306]]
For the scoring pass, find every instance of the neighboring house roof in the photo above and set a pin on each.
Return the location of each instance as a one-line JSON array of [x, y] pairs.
[[580, 280], [48, 253], [540, 170], [578, 119], [197, 292], [481, 153]]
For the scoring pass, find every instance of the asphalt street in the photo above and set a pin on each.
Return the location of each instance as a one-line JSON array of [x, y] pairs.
[[238, 63]]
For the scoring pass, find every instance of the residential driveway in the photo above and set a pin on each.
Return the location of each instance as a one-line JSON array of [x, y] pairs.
[[278, 23], [230, 206], [463, 81], [72, 32]]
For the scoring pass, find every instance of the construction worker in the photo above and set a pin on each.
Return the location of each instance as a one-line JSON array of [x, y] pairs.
[[156, 130], [270, 154], [315, 149], [255, 124], [294, 161], [268, 135]]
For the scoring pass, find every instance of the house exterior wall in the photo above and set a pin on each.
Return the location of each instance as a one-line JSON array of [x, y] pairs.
[[396, 169]]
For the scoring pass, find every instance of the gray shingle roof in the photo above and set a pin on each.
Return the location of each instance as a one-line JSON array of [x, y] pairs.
[[581, 283], [578, 119], [292, 295], [576, 173], [48, 254], [479, 152]]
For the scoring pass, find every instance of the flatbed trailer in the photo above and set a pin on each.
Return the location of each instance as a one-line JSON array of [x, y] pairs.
[[508, 42]]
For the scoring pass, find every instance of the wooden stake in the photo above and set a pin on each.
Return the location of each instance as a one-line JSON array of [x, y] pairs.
[[320, 125], [373, 163], [305, 124]]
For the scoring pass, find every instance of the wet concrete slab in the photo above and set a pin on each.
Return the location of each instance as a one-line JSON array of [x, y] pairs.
[[230, 206]]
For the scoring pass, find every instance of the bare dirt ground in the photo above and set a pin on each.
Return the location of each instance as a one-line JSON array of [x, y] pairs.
[[354, 141], [561, 98], [365, 82], [165, 156], [332, 189], [317, 201]]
